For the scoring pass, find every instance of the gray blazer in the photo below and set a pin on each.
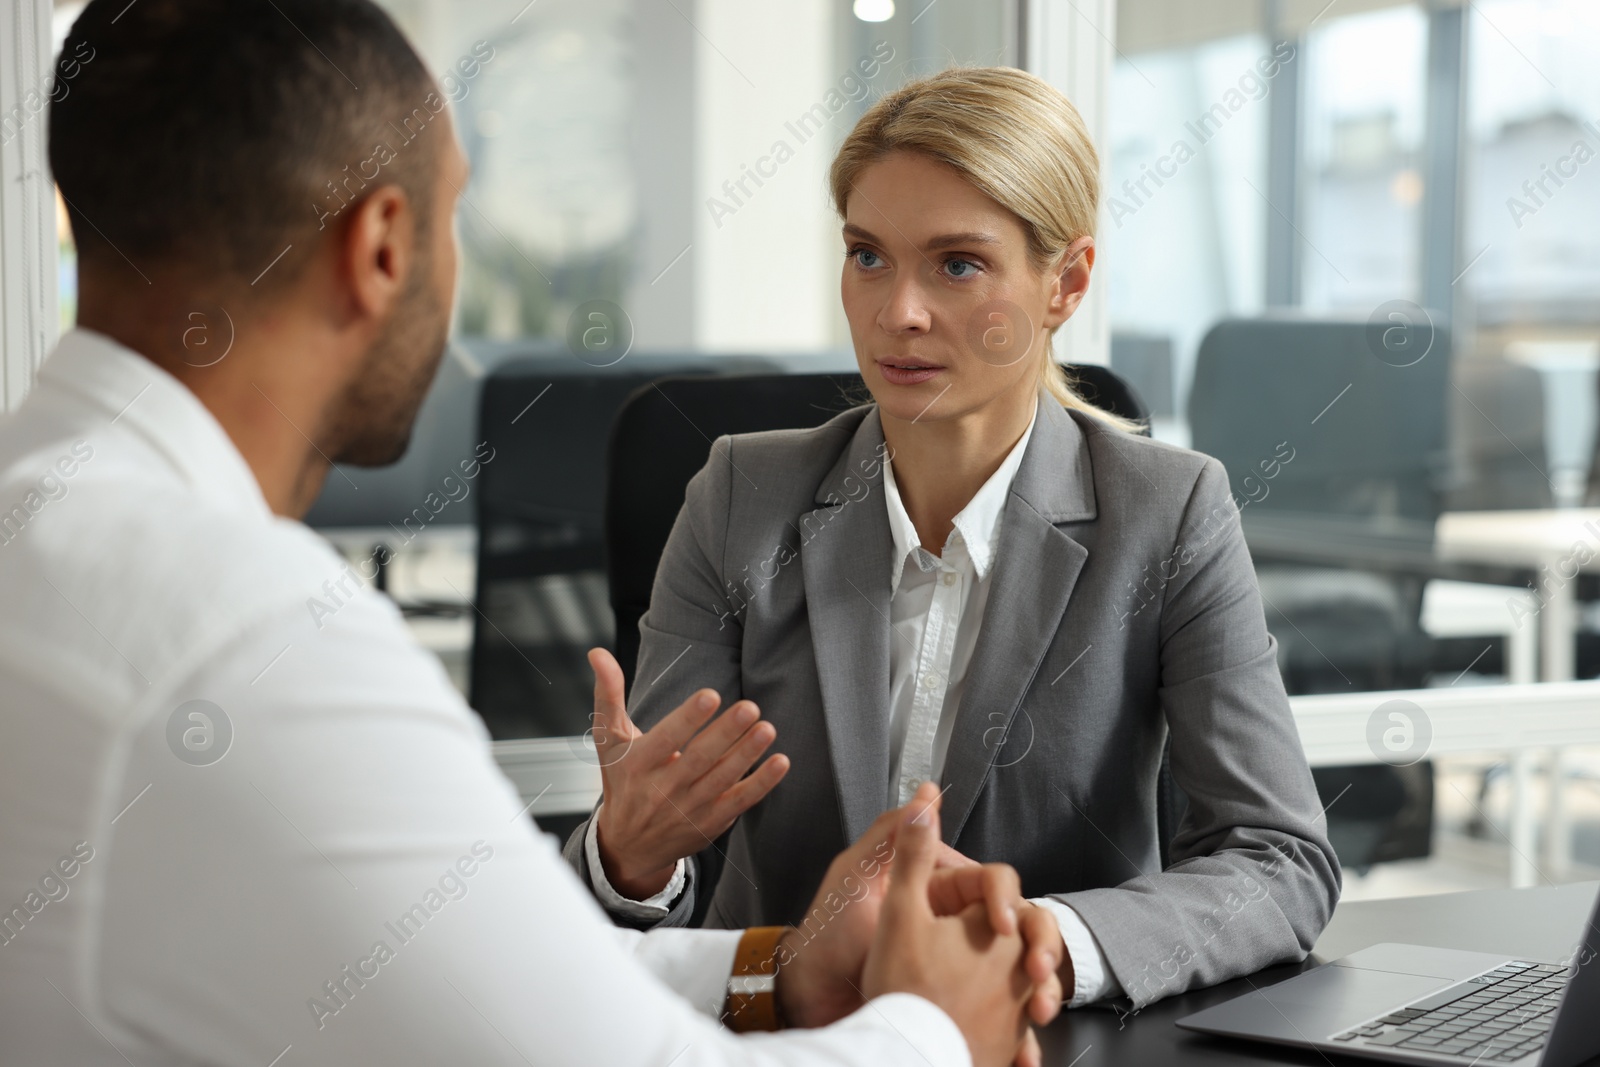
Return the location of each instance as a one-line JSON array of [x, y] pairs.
[[1123, 608]]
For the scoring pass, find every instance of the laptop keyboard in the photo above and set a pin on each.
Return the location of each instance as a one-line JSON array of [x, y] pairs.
[[1495, 1018]]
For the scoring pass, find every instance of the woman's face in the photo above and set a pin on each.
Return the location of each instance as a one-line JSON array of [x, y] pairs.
[[947, 314]]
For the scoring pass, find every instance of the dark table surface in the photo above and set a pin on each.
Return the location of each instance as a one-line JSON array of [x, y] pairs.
[[1541, 924]]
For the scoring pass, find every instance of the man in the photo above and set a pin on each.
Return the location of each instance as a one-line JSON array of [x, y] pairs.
[[234, 830]]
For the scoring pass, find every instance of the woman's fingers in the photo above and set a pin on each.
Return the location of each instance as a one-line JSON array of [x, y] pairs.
[[613, 731], [704, 749], [662, 741], [738, 759], [749, 792]]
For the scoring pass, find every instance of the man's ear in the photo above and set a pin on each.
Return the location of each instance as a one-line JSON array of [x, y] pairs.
[[379, 251], [1069, 282]]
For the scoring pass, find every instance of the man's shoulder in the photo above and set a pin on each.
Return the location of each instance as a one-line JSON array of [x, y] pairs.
[[126, 572]]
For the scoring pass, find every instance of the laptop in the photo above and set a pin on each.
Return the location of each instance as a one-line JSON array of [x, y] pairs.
[[1413, 1004]]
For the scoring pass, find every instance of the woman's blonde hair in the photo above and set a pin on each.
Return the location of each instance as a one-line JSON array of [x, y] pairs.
[[1015, 138]]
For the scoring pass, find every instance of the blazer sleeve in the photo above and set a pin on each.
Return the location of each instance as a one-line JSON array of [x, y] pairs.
[[690, 638], [1253, 879]]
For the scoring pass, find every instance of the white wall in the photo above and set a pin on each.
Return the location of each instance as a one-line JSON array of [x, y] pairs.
[[764, 280]]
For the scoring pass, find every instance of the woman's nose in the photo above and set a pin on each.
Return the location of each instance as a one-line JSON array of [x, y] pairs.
[[905, 309]]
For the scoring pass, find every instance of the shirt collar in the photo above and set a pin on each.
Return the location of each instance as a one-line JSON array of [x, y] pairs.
[[978, 524], [139, 397]]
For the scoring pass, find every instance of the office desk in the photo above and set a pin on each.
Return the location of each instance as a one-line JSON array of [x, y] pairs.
[[1543, 923], [1400, 547], [1555, 545]]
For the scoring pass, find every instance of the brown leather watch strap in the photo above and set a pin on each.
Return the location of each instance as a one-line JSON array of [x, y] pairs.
[[752, 1002]]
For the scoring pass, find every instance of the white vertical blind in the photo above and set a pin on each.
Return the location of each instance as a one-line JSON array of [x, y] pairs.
[[27, 199], [1068, 43]]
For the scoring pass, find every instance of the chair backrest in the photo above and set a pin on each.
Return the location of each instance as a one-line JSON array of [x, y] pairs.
[[1367, 434], [663, 435], [541, 586], [1498, 416]]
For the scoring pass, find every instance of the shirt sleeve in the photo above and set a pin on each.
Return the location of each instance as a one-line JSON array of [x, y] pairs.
[[353, 878], [696, 963], [651, 909], [1092, 979]]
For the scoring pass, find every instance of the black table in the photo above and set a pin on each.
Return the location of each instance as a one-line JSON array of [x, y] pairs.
[[1541, 923]]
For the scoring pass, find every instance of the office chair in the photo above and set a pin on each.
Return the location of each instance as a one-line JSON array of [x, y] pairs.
[[541, 588], [1369, 455], [663, 436], [1497, 414]]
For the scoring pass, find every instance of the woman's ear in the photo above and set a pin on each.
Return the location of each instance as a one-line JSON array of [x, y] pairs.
[[1069, 281]]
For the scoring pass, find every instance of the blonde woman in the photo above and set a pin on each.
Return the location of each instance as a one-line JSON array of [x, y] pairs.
[[977, 579]]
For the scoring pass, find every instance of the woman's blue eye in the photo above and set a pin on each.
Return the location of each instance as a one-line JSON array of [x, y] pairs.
[[864, 258], [951, 268]]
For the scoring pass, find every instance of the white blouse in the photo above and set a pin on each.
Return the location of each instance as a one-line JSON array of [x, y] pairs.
[[936, 611]]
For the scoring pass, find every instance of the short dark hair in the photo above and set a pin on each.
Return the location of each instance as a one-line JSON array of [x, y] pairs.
[[210, 134]]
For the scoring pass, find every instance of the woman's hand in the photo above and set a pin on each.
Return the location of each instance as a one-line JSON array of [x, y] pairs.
[[671, 791]]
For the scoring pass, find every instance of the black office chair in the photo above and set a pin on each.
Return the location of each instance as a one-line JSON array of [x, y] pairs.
[[541, 586], [1497, 415], [1370, 454], [663, 435]]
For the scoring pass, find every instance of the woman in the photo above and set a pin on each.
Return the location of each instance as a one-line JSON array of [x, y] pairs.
[[978, 579]]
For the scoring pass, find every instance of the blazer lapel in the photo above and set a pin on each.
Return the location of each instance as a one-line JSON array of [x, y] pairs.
[[1036, 567], [845, 550]]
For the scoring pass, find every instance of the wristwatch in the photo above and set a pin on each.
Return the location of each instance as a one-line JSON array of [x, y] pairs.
[[752, 1002]]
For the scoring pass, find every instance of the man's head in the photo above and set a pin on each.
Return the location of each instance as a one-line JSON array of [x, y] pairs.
[[266, 162]]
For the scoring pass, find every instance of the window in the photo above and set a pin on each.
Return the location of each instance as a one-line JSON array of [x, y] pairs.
[[541, 99], [1363, 123], [1184, 217], [1532, 229]]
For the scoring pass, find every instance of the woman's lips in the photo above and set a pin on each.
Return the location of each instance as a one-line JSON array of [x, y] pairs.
[[907, 374]]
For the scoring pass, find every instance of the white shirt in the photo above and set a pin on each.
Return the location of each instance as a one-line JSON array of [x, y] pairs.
[[321, 863], [936, 612]]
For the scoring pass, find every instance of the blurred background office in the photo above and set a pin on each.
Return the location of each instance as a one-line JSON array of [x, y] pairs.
[[1352, 248]]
